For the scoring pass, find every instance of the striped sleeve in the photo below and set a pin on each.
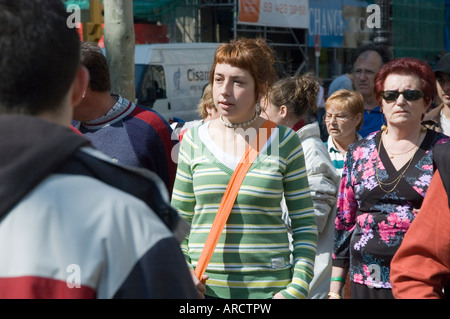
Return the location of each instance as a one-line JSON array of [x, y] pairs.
[[183, 197], [301, 211]]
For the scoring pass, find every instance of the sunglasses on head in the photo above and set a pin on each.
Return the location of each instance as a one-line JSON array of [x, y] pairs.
[[409, 95]]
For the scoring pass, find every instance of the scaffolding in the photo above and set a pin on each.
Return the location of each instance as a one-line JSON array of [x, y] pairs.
[[289, 44], [217, 21], [419, 28]]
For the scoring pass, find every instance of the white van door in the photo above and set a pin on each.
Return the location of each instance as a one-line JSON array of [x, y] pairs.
[[170, 78]]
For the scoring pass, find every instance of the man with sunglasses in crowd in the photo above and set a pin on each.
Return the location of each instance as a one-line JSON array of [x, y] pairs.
[[367, 61], [439, 117]]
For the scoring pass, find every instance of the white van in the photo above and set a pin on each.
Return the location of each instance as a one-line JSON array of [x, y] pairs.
[[170, 77]]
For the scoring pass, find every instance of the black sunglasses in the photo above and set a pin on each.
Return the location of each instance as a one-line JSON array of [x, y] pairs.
[[409, 95]]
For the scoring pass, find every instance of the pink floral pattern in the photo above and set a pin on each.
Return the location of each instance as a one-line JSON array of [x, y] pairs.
[[371, 223]]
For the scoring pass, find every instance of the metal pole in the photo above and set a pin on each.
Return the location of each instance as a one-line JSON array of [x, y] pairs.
[[383, 34], [317, 65], [235, 18]]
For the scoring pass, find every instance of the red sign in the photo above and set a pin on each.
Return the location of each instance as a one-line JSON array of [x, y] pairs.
[[317, 43]]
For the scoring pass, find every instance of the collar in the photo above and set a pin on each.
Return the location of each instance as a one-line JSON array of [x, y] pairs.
[[332, 147], [375, 109], [444, 120], [121, 109], [298, 125], [42, 147]]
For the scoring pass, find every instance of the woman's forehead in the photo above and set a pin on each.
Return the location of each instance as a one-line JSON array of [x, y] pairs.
[[228, 69], [336, 106]]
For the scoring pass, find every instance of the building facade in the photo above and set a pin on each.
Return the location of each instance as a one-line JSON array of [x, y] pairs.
[[307, 35]]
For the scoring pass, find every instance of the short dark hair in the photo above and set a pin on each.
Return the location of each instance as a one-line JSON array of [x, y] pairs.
[[408, 66], [382, 50], [39, 55], [94, 60]]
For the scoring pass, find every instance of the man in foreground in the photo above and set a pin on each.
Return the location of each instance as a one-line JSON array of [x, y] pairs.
[[63, 232]]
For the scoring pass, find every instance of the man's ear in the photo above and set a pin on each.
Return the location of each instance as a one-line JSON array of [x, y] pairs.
[[79, 85]]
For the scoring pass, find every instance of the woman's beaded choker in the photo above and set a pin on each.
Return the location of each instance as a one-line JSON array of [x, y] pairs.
[[227, 124]]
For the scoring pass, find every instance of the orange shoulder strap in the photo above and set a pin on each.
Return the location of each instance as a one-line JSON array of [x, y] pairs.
[[230, 195]]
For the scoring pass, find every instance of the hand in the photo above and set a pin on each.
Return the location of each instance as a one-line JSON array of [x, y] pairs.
[[200, 285], [278, 295]]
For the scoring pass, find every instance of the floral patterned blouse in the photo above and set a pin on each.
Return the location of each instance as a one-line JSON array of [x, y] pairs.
[[372, 219]]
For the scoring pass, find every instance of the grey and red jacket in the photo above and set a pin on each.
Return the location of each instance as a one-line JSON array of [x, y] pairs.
[[74, 224]]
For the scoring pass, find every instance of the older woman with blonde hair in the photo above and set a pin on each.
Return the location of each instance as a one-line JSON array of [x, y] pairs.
[[344, 112]]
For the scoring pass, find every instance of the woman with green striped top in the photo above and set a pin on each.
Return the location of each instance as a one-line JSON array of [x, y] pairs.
[[252, 257]]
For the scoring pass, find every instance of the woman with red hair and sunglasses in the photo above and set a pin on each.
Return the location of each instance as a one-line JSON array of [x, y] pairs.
[[385, 178]]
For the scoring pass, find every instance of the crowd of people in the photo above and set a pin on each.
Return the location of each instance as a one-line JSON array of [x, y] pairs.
[[97, 204]]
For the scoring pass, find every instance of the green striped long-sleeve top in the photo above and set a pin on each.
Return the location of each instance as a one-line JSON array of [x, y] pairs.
[[252, 258]]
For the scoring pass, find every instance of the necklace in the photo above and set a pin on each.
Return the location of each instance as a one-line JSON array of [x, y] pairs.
[[398, 179], [392, 155], [227, 124], [402, 153]]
